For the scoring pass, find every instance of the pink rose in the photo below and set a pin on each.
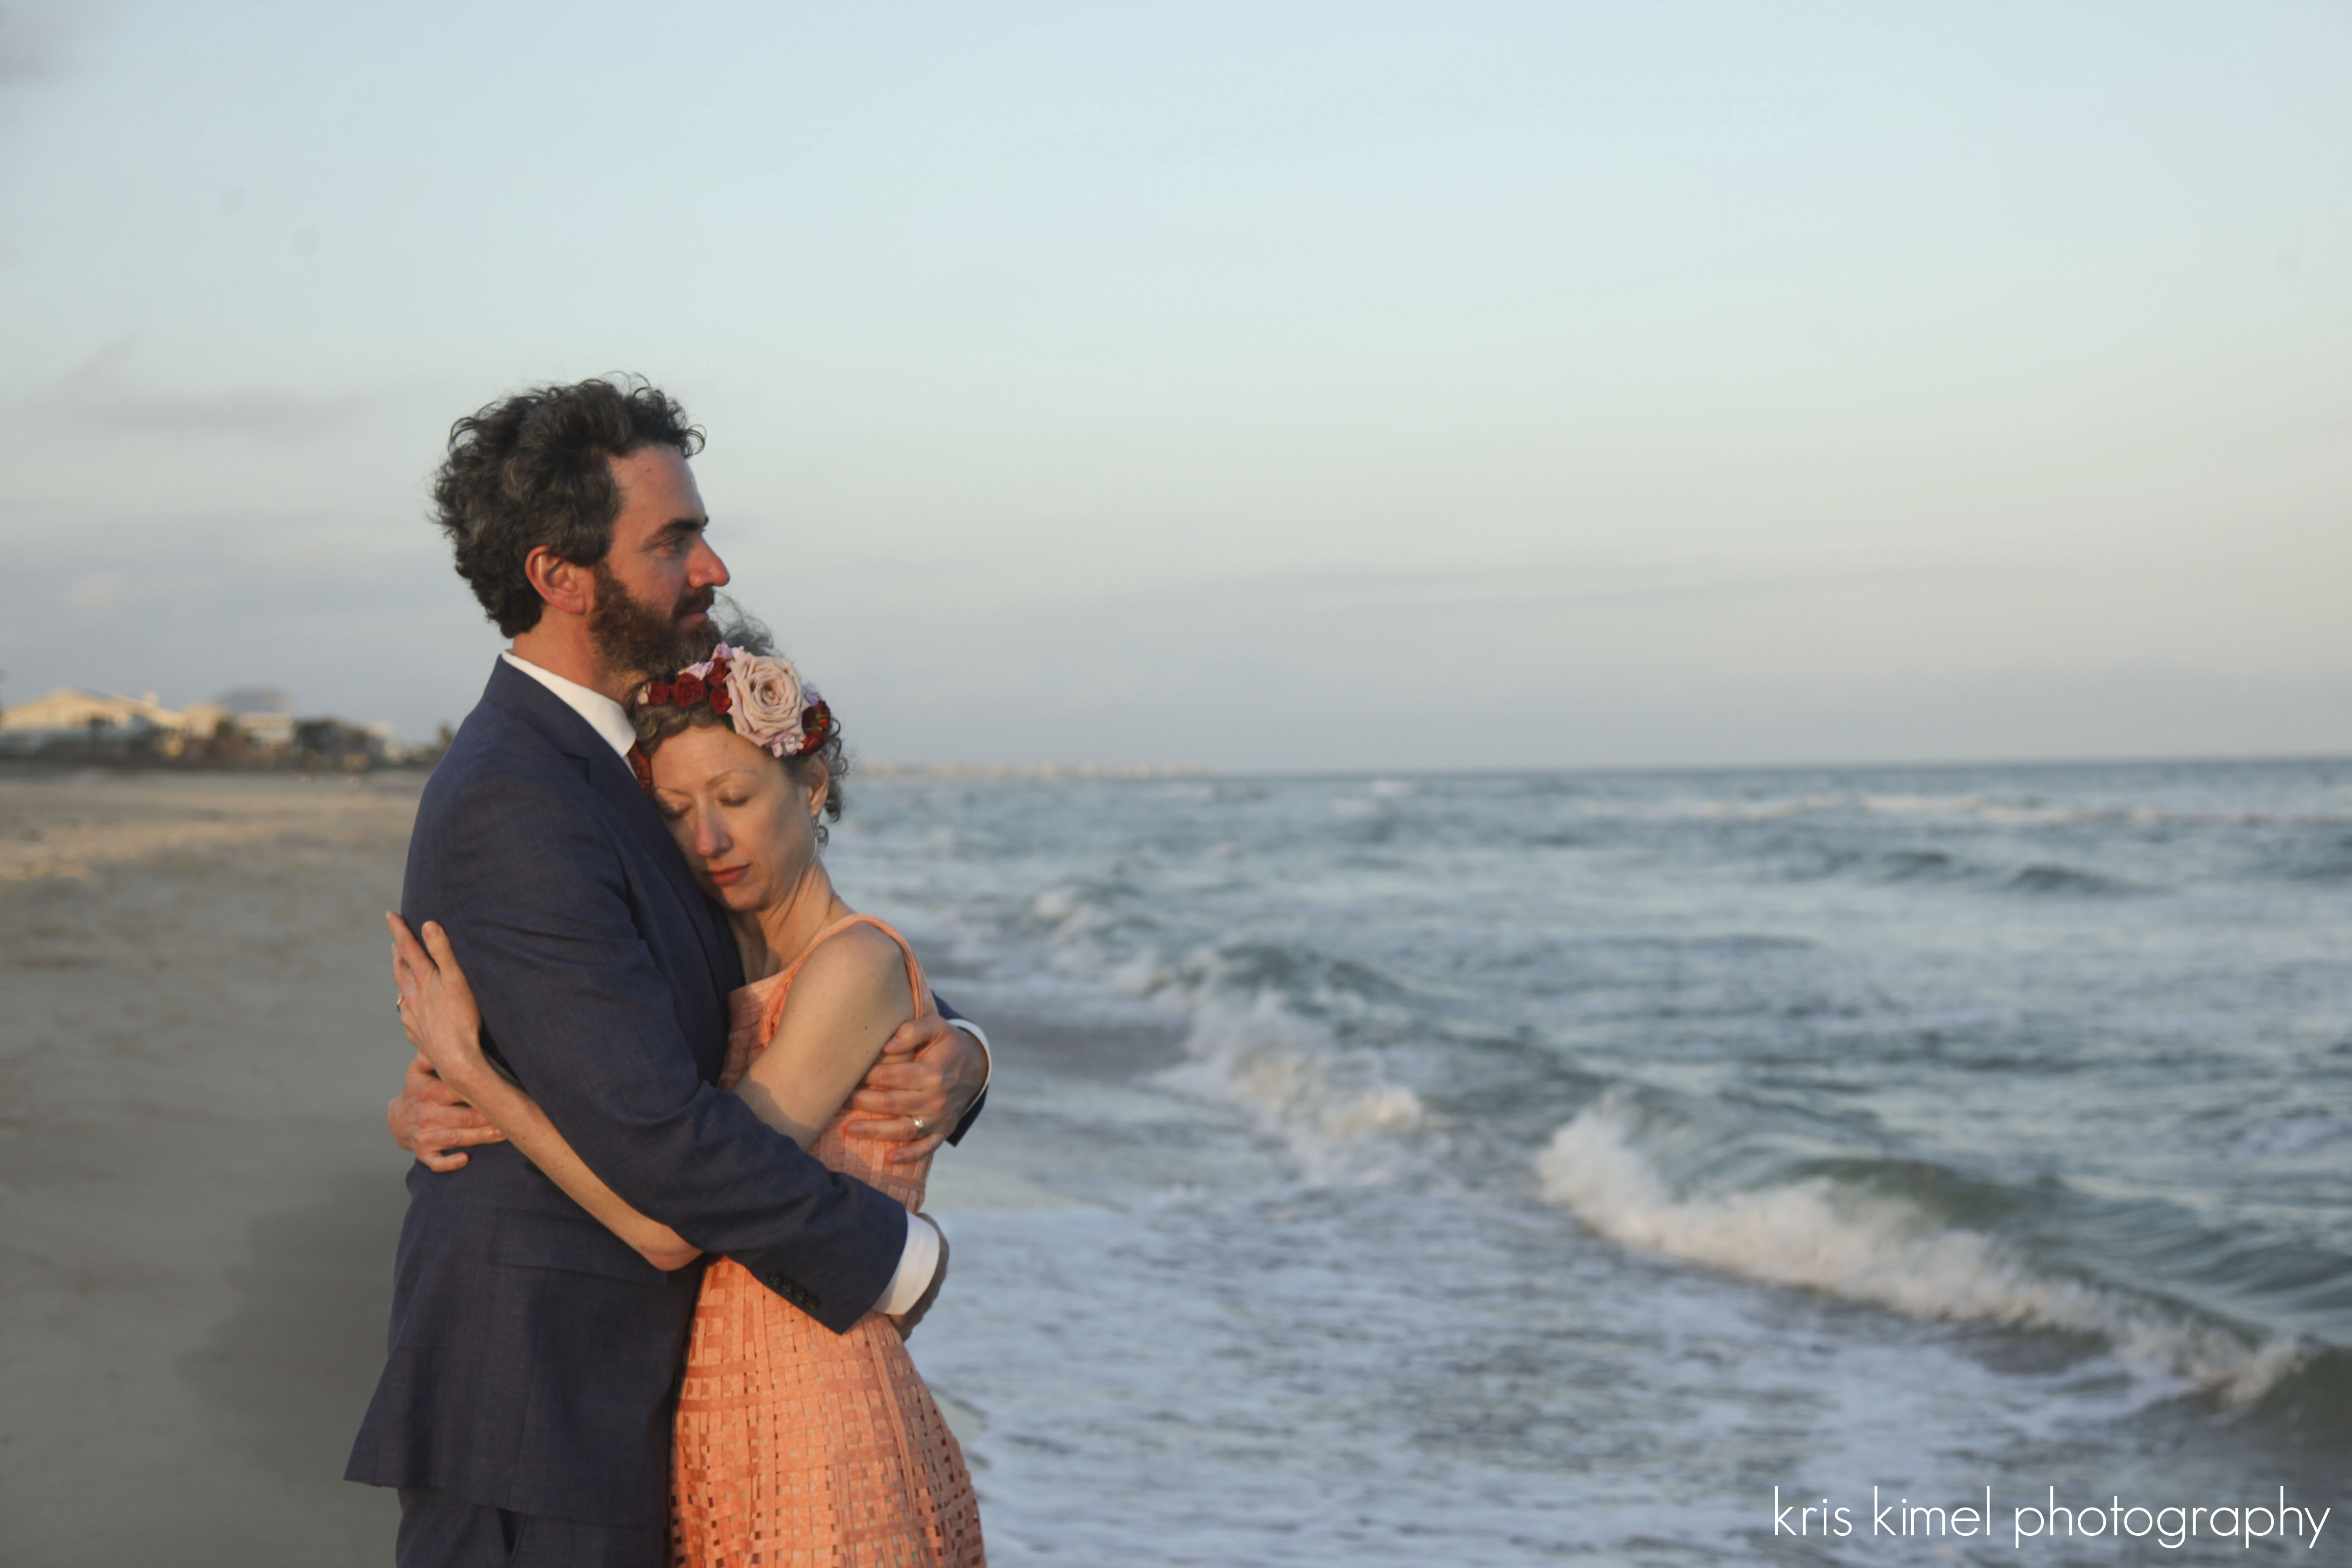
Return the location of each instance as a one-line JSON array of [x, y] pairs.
[[767, 693]]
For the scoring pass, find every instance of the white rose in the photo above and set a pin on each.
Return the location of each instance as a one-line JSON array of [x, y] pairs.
[[767, 697]]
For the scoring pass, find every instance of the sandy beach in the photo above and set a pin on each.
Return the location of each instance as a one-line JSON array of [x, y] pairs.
[[200, 1200]]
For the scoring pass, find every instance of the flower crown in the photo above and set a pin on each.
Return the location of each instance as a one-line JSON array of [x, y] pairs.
[[760, 698]]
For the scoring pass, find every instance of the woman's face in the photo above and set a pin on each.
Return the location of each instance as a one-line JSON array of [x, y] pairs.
[[748, 830]]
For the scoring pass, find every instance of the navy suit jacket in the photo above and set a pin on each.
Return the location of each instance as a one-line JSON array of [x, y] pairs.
[[533, 1356]]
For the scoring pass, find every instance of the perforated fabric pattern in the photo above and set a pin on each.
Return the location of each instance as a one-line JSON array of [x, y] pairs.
[[797, 1448]]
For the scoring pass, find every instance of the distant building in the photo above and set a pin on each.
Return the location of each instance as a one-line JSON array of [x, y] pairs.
[[384, 738], [256, 699], [268, 730], [264, 713], [252, 725], [202, 720], [69, 714], [247, 728]]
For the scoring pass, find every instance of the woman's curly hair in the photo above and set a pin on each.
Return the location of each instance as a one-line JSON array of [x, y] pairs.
[[532, 470], [658, 721]]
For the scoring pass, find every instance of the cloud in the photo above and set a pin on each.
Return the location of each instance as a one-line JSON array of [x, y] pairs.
[[100, 391]]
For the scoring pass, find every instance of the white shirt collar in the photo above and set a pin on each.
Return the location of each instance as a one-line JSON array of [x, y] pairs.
[[603, 715]]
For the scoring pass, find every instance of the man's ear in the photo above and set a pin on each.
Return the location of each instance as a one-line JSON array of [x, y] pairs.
[[566, 585]]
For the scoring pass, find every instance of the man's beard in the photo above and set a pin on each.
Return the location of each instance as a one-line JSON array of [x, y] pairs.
[[634, 636]]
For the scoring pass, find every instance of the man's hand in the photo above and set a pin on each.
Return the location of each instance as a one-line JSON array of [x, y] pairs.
[[429, 1121], [906, 1319], [924, 1082]]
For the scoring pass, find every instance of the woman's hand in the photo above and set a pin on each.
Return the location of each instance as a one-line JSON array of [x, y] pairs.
[[432, 1121], [436, 1005]]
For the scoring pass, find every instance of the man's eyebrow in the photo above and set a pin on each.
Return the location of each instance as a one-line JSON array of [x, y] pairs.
[[678, 528]]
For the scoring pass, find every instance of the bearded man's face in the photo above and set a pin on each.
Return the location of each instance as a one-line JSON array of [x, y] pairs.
[[659, 575], [651, 639]]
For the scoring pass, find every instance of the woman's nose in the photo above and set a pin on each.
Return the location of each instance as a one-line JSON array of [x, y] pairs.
[[710, 841]]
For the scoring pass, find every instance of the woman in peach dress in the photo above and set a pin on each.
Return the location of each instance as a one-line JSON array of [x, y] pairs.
[[793, 1446]]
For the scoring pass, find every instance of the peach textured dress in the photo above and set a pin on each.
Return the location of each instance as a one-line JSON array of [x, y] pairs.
[[797, 1446]]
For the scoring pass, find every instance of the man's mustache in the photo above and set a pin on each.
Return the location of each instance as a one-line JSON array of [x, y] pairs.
[[695, 603]]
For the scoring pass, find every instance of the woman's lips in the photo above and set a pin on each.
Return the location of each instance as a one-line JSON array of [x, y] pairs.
[[727, 876]]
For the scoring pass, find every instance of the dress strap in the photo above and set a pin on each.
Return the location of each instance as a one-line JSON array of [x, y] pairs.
[[915, 986]]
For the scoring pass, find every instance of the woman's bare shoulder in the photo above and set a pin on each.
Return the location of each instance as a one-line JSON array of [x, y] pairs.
[[849, 994], [851, 967]]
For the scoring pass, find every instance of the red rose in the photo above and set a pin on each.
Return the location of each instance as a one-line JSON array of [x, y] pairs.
[[720, 701], [688, 689], [659, 691]]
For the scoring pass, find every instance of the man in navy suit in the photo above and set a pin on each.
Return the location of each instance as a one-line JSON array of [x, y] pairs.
[[524, 1409]]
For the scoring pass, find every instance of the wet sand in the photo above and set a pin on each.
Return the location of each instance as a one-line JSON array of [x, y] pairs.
[[197, 1199]]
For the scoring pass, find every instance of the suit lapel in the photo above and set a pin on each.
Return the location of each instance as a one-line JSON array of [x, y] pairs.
[[616, 786]]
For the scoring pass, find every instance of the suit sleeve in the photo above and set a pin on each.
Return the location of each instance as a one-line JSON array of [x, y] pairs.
[[951, 1016], [539, 914]]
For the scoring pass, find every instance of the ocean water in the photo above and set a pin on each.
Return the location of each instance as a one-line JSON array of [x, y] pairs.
[[1511, 1169]]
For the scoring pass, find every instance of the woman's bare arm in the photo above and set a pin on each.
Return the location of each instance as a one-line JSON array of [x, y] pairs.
[[438, 1008], [848, 999]]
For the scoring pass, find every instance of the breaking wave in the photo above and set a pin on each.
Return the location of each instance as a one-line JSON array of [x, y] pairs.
[[1817, 1234], [1256, 1040], [1333, 1108]]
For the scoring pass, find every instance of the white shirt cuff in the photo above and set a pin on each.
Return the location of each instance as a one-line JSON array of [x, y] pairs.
[[915, 1266]]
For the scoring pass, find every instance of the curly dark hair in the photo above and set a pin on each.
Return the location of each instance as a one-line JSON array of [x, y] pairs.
[[658, 721], [530, 470]]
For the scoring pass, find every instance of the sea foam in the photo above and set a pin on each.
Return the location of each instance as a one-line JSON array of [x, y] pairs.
[[1333, 1108], [1820, 1235]]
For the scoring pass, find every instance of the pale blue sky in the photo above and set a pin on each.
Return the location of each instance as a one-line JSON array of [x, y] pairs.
[[1263, 386]]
